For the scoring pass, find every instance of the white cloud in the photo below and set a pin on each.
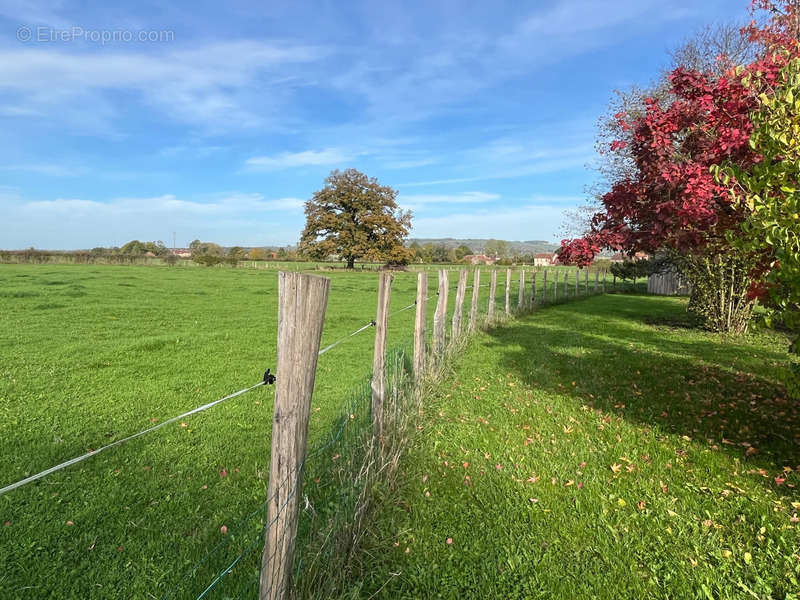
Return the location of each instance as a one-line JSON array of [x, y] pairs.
[[538, 220], [420, 201], [48, 169], [211, 86], [307, 158], [236, 218]]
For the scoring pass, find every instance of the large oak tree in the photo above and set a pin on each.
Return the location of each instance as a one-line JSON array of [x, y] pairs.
[[355, 218]]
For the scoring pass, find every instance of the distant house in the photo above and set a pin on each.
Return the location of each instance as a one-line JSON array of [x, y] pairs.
[[620, 257], [544, 259], [477, 259], [182, 252]]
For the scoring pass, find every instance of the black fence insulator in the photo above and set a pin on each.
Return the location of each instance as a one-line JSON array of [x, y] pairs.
[[269, 378], [373, 323]]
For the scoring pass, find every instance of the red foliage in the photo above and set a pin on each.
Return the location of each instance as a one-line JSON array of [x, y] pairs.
[[674, 201]]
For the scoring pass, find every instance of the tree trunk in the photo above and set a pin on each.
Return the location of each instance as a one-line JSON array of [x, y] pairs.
[[351, 262]]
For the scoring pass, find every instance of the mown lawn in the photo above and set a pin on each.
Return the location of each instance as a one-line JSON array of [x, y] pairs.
[[600, 449]]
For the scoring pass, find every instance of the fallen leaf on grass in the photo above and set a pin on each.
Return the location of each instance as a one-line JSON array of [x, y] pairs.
[[616, 468]]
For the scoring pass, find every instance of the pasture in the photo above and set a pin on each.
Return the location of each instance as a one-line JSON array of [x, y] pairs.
[[90, 354]]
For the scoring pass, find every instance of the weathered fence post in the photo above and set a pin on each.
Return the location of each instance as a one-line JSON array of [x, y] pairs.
[[378, 383], [419, 325], [473, 309], [302, 300], [596, 279], [577, 280], [492, 292], [555, 286], [586, 280], [544, 286], [566, 284], [508, 292], [533, 288], [458, 310], [521, 295], [440, 316]]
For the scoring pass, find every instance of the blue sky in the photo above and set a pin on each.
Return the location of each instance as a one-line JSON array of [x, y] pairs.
[[227, 116]]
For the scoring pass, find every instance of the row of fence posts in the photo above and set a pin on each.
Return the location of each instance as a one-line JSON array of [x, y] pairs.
[[302, 301]]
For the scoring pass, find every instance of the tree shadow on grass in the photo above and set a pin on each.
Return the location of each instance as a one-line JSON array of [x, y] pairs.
[[718, 390]]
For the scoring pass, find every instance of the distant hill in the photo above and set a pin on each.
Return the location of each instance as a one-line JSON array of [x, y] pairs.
[[527, 247]]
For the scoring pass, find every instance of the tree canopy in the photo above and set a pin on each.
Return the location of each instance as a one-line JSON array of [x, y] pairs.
[[355, 218]]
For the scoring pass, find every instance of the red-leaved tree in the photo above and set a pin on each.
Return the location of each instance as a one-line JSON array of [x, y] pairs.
[[671, 202]]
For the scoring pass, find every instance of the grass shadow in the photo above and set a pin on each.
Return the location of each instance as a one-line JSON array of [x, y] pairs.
[[720, 391]]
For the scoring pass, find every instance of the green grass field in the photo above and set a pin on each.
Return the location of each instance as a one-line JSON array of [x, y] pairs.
[[90, 354], [600, 449]]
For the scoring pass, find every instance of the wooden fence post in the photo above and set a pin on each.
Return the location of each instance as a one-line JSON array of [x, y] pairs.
[[492, 292], [544, 286], [586, 280], [596, 278], [521, 294], [555, 286], [508, 292], [566, 284], [440, 316], [577, 280], [473, 310], [302, 300], [419, 325], [378, 383], [458, 310], [533, 288]]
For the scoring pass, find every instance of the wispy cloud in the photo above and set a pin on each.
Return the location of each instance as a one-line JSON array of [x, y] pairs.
[[306, 158], [420, 201], [48, 169], [211, 86], [537, 219], [235, 218]]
